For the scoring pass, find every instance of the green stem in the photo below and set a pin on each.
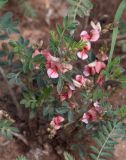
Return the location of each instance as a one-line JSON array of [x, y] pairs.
[[115, 32], [104, 144]]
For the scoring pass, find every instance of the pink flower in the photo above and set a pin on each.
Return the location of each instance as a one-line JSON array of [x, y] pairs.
[[85, 118], [83, 54], [99, 66], [36, 52], [65, 67], [52, 69], [56, 122], [71, 86], [100, 80], [89, 71], [93, 35], [96, 26], [66, 95], [80, 81], [102, 56], [94, 68], [54, 66], [52, 73], [85, 36], [49, 57], [92, 114], [97, 107]]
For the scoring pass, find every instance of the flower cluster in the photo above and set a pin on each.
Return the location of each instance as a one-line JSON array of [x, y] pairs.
[[92, 36], [92, 114], [55, 125], [56, 122], [53, 64], [95, 68], [56, 67]]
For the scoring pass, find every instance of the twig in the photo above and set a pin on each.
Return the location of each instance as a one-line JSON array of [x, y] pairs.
[[4, 143], [19, 111], [85, 25], [120, 37], [20, 137]]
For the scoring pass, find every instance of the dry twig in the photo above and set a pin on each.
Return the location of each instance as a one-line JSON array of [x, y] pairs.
[[19, 111]]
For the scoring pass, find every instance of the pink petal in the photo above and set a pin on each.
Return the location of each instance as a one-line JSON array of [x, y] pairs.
[[82, 55], [77, 84], [57, 127], [104, 57], [55, 123], [80, 79], [88, 46], [84, 36], [36, 53], [93, 71], [92, 114], [99, 66], [92, 64], [49, 57], [55, 59], [100, 80], [52, 73], [96, 104], [94, 35], [85, 118], [69, 94], [96, 26], [66, 67], [71, 86], [63, 97], [61, 119], [86, 71]]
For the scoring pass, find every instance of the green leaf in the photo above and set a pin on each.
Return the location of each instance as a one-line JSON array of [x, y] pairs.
[[7, 24], [105, 140], [62, 110], [115, 31], [93, 156], [21, 158], [59, 29], [3, 2], [6, 129], [60, 85], [67, 156], [27, 8], [70, 116], [94, 149], [80, 8]]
